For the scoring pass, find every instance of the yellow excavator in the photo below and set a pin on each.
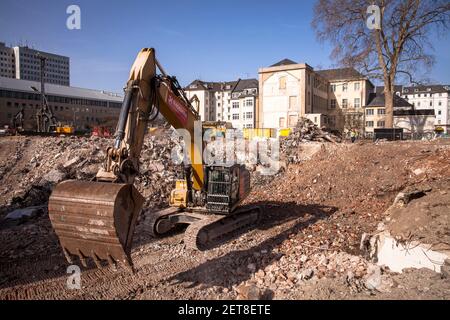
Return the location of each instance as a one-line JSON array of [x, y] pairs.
[[96, 219]]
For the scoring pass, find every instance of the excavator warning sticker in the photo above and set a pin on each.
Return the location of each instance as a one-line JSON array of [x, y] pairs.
[[177, 107]]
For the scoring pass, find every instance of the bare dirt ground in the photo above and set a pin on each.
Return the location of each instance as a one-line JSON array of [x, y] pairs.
[[305, 247]]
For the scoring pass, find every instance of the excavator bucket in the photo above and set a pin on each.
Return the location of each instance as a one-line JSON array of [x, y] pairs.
[[95, 219]]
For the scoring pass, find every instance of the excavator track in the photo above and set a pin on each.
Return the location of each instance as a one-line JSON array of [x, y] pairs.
[[208, 232], [153, 222]]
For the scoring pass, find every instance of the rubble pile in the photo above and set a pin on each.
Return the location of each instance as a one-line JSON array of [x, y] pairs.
[[295, 270], [305, 131], [39, 163]]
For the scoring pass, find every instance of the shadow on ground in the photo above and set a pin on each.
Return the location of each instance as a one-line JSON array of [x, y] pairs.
[[231, 268]]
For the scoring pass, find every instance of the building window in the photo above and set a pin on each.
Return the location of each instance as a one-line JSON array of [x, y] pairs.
[[333, 104], [356, 86], [282, 122], [293, 120], [249, 103], [369, 124], [439, 112], [440, 103], [344, 87], [357, 102], [380, 124], [282, 83], [381, 111], [249, 115], [369, 112], [235, 105], [333, 88], [332, 121], [235, 116], [344, 103], [431, 103]]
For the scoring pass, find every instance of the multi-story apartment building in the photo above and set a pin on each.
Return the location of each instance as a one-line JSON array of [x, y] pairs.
[[288, 91], [83, 108], [244, 104], [233, 101], [349, 93], [7, 61], [24, 63], [213, 98], [431, 97], [410, 119]]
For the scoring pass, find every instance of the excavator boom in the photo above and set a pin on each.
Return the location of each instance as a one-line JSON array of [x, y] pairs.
[[97, 219]]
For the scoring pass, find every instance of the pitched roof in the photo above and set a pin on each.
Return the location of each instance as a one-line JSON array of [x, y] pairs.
[[340, 74], [378, 101], [397, 88], [210, 85], [284, 62], [243, 84], [432, 88]]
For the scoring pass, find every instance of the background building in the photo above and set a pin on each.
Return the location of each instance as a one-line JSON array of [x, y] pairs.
[[24, 63], [83, 108], [233, 101], [349, 93], [431, 97], [7, 61], [244, 104], [288, 91], [413, 121]]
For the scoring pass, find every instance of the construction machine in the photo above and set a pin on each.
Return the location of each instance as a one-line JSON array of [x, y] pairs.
[[96, 219]]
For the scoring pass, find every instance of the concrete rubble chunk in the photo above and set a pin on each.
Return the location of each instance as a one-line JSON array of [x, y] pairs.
[[71, 162], [54, 176], [248, 291], [24, 213]]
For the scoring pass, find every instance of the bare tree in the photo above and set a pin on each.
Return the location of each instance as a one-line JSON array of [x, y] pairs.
[[399, 47]]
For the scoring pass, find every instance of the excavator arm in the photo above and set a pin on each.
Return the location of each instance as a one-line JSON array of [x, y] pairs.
[[97, 219]]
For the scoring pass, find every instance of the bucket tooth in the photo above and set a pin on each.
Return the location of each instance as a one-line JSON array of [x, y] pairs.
[[67, 255], [96, 259], [111, 261], [82, 258]]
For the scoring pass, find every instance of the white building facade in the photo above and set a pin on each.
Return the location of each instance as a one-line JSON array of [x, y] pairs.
[[431, 97], [288, 91], [233, 101]]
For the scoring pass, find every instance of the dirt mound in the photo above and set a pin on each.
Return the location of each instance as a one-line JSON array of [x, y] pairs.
[[425, 217]]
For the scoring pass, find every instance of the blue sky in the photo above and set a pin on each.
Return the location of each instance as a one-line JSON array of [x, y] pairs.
[[211, 40]]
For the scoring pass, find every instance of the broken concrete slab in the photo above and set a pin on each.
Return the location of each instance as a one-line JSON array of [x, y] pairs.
[[24, 213], [399, 256], [54, 176]]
